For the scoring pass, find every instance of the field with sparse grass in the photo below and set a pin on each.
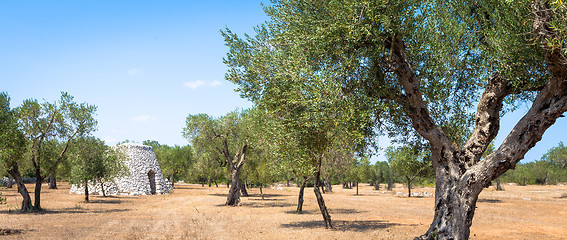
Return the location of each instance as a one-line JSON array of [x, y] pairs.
[[195, 212]]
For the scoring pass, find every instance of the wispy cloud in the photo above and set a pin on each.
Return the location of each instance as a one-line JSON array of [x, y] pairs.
[[201, 83], [215, 83], [194, 84], [135, 71], [143, 118]]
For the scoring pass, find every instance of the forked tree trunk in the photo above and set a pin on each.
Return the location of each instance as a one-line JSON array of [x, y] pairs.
[[235, 165], [455, 204], [320, 200], [26, 199], [52, 181], [300, 198], [461, 172]]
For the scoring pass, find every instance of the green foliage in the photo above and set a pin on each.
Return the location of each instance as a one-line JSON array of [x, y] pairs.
[[410, 162], [556, 156], [174, 161], [12, 139], [93, 161]]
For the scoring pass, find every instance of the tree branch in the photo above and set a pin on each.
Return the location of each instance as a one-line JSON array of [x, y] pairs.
[[487, 118], [416, 107]]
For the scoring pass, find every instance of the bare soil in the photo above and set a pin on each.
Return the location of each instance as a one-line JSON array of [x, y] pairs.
[[195, 212]]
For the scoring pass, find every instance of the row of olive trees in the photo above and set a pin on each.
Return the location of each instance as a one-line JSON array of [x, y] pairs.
[[45, 139]]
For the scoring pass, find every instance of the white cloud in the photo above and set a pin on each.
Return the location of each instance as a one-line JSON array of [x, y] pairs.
[[135, 71], [194, 84], [143, 118], [215, 83], [200, 83]]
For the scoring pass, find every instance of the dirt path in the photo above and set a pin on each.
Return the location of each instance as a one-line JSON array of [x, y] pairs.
[[194, 212]]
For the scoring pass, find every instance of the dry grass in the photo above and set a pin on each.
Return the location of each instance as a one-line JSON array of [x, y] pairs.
[[194, 212]]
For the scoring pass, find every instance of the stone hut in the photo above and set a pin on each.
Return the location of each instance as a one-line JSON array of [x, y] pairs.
[[144, 177]]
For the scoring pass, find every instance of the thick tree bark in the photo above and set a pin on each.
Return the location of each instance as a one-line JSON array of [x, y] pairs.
[[209, 181], [233, 197], [320, 200], [52, 181], [287, 184], [390, 184], [546, 178], [26, 199], [376, 185], [300, 197], [356, 188], [235, 165]]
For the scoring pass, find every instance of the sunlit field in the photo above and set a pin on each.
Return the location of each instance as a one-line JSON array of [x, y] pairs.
[[195, 212]]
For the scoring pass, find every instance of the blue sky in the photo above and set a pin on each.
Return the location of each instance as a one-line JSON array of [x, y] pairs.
[[145, 64]]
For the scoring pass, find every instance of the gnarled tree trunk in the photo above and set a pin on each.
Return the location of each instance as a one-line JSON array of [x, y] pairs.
[[235, 165], [233, 197], [26, 199]]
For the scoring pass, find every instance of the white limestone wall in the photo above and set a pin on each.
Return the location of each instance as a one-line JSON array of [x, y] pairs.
[[140, 161]]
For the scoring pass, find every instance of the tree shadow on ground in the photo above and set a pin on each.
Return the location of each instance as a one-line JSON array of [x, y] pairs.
[[340, 225], [264, 204], [249, 195], [306, 212], [9, 231], [344, 211], [490, 200], [64, 210]]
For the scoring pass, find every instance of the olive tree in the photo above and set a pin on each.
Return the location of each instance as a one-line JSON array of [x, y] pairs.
[[437, 71], [12, 147], [229, 137]]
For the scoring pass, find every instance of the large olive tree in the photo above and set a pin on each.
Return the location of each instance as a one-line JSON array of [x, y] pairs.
[[437, 71]]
